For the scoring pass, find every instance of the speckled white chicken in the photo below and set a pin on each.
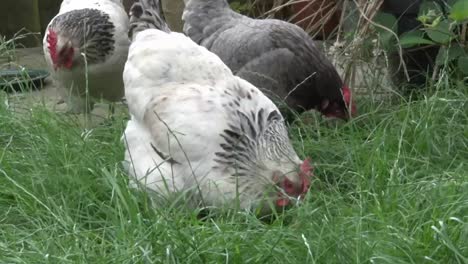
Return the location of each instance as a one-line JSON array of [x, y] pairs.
[[196, 127], [86, 46]]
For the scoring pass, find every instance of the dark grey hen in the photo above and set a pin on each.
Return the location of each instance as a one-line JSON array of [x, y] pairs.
[[278, 57]]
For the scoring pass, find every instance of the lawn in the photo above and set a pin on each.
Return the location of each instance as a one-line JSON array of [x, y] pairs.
[[391, 186]]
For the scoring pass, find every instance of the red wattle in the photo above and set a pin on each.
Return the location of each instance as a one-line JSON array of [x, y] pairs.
[[52, 45], [282, 202]]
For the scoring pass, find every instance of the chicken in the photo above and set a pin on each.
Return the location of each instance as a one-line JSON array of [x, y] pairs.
[[86, 46], [195, 128], [276, 56]]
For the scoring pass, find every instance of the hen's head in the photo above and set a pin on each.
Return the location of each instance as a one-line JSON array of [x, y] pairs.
[[341, 108], [62, 51], [293, 185]]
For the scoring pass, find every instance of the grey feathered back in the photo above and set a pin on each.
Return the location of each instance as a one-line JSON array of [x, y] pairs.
[[278, 57], [146, 14], [203, 17]]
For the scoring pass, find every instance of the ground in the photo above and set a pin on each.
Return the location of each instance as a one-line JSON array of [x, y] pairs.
[[33, 58], [390, 186]]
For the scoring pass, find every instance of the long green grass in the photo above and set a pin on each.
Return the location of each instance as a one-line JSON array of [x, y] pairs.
[[391, 186]]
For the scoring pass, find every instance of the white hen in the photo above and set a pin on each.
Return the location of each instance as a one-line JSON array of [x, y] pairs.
[[196, 126], [86, 46]]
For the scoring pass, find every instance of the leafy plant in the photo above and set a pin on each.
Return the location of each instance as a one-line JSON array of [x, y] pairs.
[[438, 28], [242, 7]]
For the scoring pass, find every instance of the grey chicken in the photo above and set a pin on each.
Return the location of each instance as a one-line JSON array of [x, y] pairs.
[[278, 57]]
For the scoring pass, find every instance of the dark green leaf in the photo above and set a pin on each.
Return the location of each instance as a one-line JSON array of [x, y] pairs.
[[449, 54], [441, 33], [463, 64], [460, 84], [459, 10], [386, 20], [388, 42], [414, 38], [455, 52], [441, 56], [386, 35]]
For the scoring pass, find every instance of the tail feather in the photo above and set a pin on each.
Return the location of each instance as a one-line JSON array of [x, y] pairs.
[[146, 14]]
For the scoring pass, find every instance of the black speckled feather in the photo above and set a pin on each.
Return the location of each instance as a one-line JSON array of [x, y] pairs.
[[254, 132], [91, 29]]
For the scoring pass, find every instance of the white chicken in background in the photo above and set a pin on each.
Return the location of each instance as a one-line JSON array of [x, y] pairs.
[[196, 126], [86, 46]]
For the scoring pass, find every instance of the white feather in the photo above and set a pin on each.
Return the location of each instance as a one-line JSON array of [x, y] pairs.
[[178, 93]]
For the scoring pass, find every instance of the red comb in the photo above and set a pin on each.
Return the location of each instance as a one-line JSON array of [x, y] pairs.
[[347, 99]]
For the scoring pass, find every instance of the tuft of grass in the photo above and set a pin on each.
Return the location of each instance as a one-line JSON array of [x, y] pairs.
[[8, 47], [391, 186]]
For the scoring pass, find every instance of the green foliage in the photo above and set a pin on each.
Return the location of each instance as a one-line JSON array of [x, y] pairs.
[[390, 187], [459, 11], [242, 7], [438, 29], [413, 38], [448, 32], [389, 24], [463, 64], [449, 54], [440, 32]]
